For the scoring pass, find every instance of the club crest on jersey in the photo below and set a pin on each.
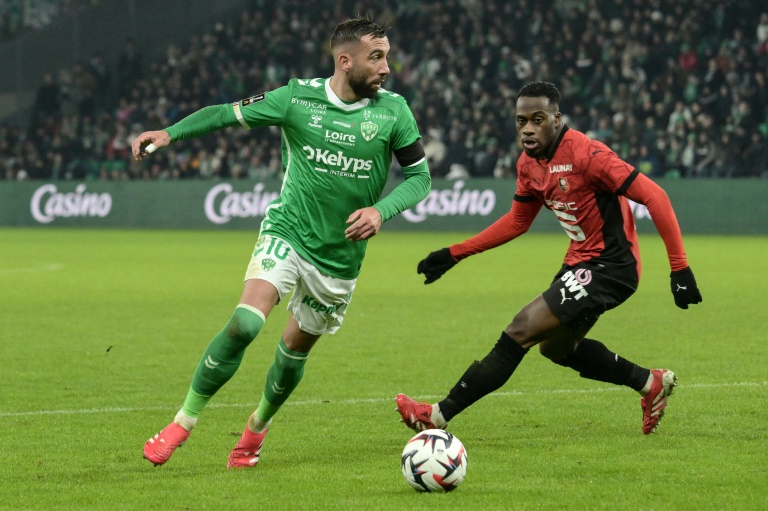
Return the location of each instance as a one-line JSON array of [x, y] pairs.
[[252, 99], [268, 264], [564, 186], [369, 130]]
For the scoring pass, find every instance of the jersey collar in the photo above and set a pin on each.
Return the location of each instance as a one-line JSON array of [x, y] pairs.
[[333, 98], [551, 153]]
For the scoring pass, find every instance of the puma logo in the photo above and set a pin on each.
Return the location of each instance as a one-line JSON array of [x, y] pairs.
[[598, 151], [562, 292], [682, 288]]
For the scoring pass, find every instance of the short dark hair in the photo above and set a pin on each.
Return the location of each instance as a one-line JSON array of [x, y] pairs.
[[353, 29], [541, 89]]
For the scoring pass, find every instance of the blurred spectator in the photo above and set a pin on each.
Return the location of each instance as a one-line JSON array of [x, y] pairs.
[[435, 150], [648, 162], [102, 77], [522, 68], [672, 149], [756, 156], [506, 164], [688, 59], [129, 68], [728, 159], [258, 168], [762, 34], [699, 155], [486, 158], [46, 100], [680, 120], [456, 151]]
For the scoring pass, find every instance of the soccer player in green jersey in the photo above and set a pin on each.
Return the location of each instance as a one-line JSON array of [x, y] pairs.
[[338, 137]]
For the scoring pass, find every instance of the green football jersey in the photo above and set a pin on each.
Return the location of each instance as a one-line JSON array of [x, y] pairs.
[[336, 159]]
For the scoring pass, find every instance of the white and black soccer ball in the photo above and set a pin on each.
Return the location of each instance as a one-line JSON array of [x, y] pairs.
[[434, 460]]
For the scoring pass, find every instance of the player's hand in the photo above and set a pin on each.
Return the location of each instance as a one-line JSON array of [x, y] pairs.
[[366, 222], [139, 145], [436, 264], [684, 288]]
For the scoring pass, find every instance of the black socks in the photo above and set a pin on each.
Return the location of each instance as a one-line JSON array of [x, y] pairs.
[[483, 377], [594, 361]]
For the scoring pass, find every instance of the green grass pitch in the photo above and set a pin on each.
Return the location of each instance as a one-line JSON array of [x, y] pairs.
[[101, 331]]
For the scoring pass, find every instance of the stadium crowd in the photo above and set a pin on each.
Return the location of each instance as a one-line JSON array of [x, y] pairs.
[[677, 88]]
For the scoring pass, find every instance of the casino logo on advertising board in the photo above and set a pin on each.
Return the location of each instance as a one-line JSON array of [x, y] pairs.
[[222, 203], [455, 201], [48, 203]]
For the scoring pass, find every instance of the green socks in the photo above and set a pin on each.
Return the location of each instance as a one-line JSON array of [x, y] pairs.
[[222, 357], [283, 377]]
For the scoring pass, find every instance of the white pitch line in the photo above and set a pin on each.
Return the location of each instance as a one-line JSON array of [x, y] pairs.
[[306, 402], [28, 269]]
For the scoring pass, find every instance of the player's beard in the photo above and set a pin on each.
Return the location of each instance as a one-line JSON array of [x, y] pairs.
[[361, 86]]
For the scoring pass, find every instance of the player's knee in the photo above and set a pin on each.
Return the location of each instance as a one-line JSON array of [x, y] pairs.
[[239, 333], [556, 350], [291, 366], [242, 331], [548, 351], [519, 329]]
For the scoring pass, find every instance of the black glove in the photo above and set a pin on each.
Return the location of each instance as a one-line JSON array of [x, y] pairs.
[[435, 264], [684, 288]]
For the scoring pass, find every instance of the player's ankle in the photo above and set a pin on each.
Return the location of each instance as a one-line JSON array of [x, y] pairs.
[[185, 421], [645, 390], [437, 417], [257, 425]]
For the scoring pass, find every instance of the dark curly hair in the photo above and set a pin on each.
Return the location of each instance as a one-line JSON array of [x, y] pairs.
[[541, 89]]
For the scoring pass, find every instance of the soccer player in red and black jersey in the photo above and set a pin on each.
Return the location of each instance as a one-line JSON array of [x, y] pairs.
[[586, 186]]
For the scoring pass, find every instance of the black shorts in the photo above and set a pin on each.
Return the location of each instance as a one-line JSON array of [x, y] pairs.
[[581, 293]]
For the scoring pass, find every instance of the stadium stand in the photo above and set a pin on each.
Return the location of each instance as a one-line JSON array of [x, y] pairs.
[[677, 88]]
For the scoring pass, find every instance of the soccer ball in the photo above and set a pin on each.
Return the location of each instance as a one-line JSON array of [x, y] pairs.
[[434, 460]]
